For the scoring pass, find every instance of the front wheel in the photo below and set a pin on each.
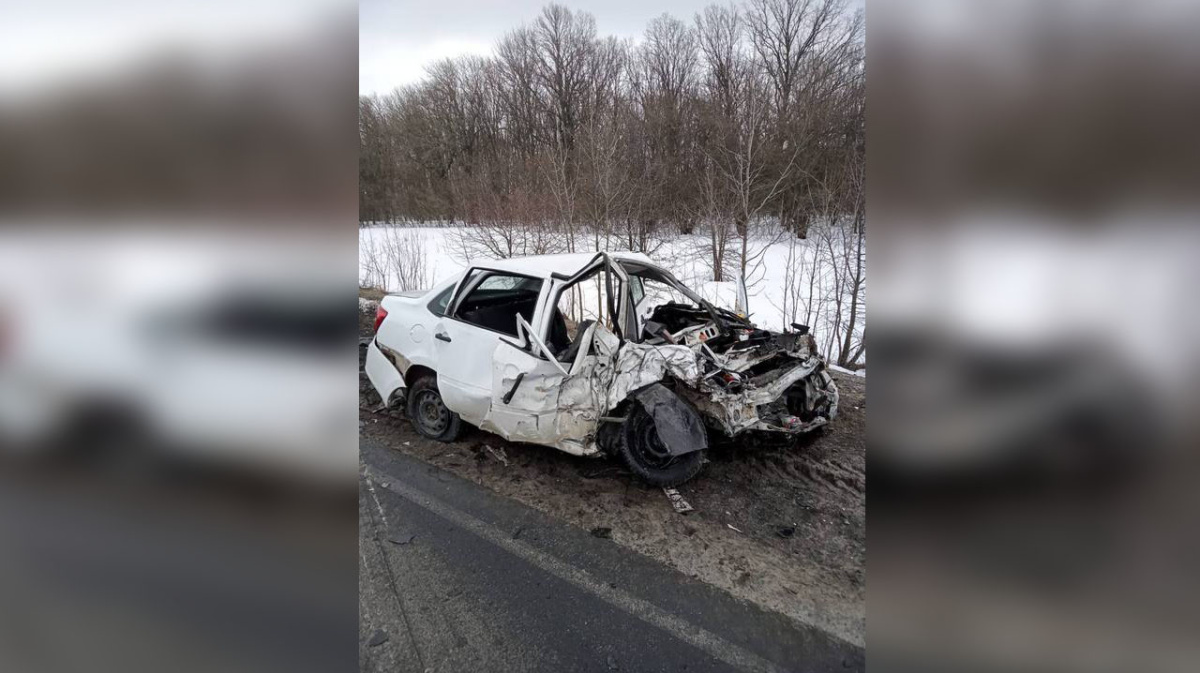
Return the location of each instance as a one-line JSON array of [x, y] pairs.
[[429, 414], [643, 452]]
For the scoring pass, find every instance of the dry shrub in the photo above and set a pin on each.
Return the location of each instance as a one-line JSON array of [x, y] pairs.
[[394, 259]]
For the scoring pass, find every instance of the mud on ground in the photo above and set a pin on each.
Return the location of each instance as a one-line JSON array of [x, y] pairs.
[[781, 526]]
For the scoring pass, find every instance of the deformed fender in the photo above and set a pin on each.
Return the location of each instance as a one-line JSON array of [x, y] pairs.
[[679, 425]]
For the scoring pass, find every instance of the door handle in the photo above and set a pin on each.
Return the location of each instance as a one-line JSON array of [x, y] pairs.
[[509, 395], [443, 336]]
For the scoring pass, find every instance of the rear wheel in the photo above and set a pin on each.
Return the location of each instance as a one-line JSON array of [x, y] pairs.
[[643, 451], [429, 414]]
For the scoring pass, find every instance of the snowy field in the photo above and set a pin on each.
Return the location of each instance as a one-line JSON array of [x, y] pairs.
[[390, 258]]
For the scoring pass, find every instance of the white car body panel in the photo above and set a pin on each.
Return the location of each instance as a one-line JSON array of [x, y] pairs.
[[406, 339], [464, 368]]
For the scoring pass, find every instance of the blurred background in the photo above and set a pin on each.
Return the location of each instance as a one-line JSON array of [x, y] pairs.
[[178, 259], [177, 442], [1033, 170]]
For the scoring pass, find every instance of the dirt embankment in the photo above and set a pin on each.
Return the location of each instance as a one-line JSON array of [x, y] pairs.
[[782, 526]]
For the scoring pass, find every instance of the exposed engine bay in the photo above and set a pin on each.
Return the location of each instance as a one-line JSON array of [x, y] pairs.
[[749, 378]]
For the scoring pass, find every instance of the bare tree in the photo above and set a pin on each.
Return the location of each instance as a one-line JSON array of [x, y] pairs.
[[784, 33], [744, 168], [565, 42], [854, 260]]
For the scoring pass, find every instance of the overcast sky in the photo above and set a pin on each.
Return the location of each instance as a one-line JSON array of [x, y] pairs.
[[398, 38]]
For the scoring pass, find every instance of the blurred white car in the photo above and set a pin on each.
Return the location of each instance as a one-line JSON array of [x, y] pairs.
[[250, 371]]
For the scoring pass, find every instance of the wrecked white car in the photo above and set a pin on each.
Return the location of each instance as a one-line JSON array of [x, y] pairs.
[[593, 354]]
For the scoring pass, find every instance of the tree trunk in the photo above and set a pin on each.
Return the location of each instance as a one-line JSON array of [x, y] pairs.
[[844, 358], [800, 222]]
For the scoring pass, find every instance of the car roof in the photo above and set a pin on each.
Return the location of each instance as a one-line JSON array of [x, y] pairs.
[[543, 266]]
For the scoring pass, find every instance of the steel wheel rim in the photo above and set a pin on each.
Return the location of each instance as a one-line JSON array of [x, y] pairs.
[[431, 414], [649, 447]]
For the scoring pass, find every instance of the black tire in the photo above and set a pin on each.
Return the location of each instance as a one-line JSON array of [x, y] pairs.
[[429, 414], [642, 451]]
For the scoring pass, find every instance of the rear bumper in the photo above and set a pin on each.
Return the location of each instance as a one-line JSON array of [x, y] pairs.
[[388, 381]]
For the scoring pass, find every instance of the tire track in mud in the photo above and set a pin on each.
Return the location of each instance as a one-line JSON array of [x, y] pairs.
[[835, 474], [791, 466]]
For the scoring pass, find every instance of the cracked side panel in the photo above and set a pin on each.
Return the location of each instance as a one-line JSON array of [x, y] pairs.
[[639, 365], [524, 397]]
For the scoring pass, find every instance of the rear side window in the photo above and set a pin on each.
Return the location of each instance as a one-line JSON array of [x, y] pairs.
[[440, 302], [497, 301]]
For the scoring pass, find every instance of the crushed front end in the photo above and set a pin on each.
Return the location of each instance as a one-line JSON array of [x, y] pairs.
[[748, 378]]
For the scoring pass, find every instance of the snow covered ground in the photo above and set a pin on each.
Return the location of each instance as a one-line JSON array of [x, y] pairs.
[[772, 306]]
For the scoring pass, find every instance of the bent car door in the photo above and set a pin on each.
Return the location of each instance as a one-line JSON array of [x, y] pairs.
[[525, 385], [486, 309], [555, 396]]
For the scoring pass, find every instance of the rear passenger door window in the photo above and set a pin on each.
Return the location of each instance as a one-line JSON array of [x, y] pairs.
[[497, 300]]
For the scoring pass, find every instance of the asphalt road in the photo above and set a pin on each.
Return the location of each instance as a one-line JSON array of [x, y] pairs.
[[455, 578], [172, 574]]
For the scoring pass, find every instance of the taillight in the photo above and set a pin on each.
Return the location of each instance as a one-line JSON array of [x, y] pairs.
[[380, 314]]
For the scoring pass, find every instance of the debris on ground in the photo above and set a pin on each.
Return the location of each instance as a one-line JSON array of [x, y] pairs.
[[732, 527], [681, 506], [786, 532], [378, 638], [499, 455], [517, 533], [402, 538], [603, 532]]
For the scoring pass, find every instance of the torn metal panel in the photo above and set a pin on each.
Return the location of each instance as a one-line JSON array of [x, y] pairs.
[[639, 365], [679, 426], [601, 382], [524, 396], [736, 412]]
